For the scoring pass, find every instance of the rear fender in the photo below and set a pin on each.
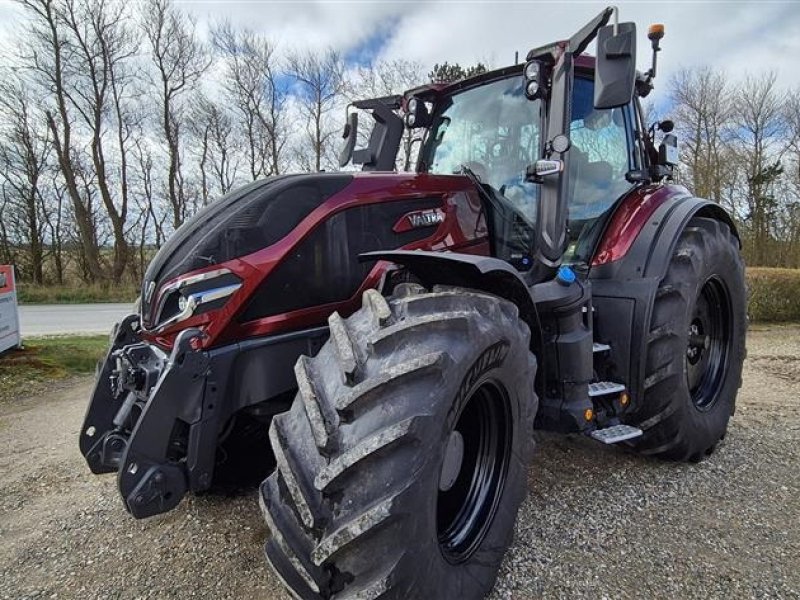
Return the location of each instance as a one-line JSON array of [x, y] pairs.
[[624, 289]]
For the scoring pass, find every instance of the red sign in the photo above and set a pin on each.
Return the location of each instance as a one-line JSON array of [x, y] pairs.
[[6, 279], [9, 317]]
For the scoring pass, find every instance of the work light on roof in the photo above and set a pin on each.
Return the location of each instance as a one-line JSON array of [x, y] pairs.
[[534, 84], [532, 70]]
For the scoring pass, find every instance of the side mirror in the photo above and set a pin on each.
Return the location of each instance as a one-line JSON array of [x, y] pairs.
[[615, 71], [350, 134]]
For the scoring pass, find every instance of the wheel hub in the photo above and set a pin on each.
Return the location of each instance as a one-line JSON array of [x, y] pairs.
[[453, 457], [698, 342], [709, 343]]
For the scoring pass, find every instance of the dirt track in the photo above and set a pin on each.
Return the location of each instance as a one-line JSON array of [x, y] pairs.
[[597, 522]]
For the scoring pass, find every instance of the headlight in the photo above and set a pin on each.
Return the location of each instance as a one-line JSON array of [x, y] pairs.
[[194, 294], [532, 88], [412, 105]]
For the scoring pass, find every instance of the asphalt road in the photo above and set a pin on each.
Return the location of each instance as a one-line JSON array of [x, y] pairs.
[[48, 319]]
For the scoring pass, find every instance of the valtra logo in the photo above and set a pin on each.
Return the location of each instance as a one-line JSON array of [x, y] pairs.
[[418, 219], [425, 218]]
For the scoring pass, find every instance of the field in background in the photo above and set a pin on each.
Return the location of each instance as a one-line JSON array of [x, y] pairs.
[[84, 294], [44, 360]]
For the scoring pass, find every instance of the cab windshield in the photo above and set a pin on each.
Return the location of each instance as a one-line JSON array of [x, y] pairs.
[[493, 132]]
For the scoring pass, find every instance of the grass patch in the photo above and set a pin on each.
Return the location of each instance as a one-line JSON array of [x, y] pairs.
[[773, 294], [87, 294], [48, 359]]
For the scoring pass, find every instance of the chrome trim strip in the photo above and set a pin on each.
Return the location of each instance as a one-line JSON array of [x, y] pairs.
[[195, 300], [177, 284]]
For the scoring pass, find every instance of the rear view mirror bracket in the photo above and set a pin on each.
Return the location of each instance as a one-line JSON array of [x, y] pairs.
[[350, 135]]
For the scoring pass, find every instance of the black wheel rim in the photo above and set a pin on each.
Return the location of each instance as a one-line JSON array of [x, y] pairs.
[[466, 510], [709, 344]]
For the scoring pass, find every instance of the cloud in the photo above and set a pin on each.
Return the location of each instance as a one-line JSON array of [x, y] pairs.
[[739, 37], [301, 24], [743, 38]]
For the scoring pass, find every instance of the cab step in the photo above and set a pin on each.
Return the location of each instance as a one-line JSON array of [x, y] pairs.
[[616, 433], [603, 388]]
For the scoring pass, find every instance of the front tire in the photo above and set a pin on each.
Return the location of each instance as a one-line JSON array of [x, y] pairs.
[[403, 460], [695, 346]]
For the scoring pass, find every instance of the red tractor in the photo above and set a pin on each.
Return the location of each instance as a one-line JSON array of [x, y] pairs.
[[400, 335]]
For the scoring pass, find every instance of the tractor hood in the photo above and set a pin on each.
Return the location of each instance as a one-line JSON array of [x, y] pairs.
[[253, 219], [239, 223]]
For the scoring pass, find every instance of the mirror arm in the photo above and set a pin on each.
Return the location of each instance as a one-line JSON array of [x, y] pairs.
[[579, 42]]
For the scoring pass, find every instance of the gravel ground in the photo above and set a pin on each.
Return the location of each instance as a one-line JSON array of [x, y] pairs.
[[597, 522]]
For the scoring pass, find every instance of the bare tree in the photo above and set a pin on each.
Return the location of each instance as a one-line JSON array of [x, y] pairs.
[[45, 54], [251, 85], [100, 77], [180, 59], [23, 158], [212, 127], [54, 221], [702, 108], [320, 84], [151, 220], [760, 143]]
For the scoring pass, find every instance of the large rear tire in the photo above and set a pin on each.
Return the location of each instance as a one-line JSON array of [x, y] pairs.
[[403, 460], [695, 347]]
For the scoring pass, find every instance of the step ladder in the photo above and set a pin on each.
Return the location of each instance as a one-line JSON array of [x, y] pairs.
[[615, 433], [602, 388]]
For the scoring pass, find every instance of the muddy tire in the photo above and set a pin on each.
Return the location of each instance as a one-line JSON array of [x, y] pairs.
[[695, 347], [374, 494]]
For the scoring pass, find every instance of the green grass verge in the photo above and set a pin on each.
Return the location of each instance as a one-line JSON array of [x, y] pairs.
[[39, 294], [48, 359]]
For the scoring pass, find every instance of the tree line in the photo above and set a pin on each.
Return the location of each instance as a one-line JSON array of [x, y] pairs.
[[119, 120], [740, 147]]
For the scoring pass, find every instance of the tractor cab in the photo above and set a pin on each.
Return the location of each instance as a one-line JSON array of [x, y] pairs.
[[490, 130], [552, 145]]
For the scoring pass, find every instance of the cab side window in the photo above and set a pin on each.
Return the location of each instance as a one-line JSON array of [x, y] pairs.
[[599, 159]]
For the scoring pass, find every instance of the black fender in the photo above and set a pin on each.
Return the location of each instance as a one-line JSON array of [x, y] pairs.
[[484, 273], [624, 290], [650, 253]]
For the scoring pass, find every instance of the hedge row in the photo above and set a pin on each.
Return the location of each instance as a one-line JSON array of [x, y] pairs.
[[773, 294]]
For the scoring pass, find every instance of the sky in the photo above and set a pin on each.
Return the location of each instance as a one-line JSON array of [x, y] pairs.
[[742, 37], [745, 38]]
